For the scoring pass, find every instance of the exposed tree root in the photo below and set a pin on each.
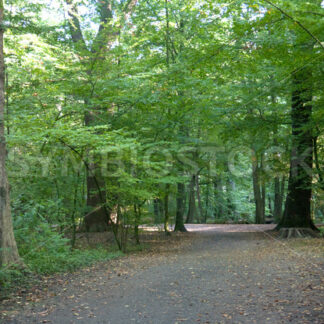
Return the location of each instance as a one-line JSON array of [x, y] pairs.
[[297, 232]]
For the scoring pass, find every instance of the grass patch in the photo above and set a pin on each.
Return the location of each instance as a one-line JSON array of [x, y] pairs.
[[68, 261], [49, 264]]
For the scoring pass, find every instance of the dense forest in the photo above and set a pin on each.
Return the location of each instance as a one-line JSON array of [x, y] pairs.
[[121, 113]]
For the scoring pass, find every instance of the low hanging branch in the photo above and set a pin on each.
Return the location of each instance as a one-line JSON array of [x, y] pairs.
[[86, 164], [297, 22]]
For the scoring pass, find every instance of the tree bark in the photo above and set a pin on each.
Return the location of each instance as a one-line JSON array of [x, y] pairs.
[[192, 210], [8, 248], [218, 198], [298, 201], [258, 190], [320, 173], [179, 225], [231, 210], [207, 202], [279, 187], [96, 219], [137, 212], [166, 208], [200, 208], [157, 205]]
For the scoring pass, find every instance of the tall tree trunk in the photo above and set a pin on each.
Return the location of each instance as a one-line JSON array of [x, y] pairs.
[[279, 187], [270, 205], [218, 198], [231, 210], [319, 170], [200, 208], [192, 210], [166, 208], [8, 247], [96, 218], [137, 212], [207, 202], [157, 205], [258, 190], [263, 189], [179, 226], [298, 201]]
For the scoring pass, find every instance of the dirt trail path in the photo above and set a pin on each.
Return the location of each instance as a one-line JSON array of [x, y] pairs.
[[224, 274]]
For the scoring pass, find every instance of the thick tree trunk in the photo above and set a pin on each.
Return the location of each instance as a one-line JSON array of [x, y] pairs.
[[179, 226], [192, 210], [297, 212], [96, 219], [8, 247]]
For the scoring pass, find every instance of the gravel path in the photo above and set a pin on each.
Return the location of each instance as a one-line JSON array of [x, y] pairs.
[[222, 274]]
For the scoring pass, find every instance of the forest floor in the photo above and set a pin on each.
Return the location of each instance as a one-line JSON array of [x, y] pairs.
[[214, 274]]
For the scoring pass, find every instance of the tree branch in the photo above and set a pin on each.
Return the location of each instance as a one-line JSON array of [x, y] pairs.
[[129, 8], [312, 13], [74, 24], [106, 15], [297, 22]]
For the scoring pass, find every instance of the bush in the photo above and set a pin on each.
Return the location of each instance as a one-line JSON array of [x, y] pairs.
[[45, 251]]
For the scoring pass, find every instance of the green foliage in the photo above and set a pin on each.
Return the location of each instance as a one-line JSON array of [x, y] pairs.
[[200, 94], [321, 231], [45, 251], [10, 277]]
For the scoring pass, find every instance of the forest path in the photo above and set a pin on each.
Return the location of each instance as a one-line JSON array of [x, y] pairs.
[[222, 274]]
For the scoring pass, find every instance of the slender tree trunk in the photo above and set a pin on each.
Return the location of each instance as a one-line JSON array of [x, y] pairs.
[[166, 209], [179, 226], [207, 202], [259, 191], [200, 208], [192, 210], [297, 212], [8, 247], [270, 205], [263, 197], [137, 212], [75, 199], [231, 210], [157, 210], [279, 187], [218, 198], [319, 171], [263, 190]]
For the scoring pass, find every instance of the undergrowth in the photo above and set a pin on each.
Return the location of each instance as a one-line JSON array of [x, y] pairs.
[[45, 251]]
